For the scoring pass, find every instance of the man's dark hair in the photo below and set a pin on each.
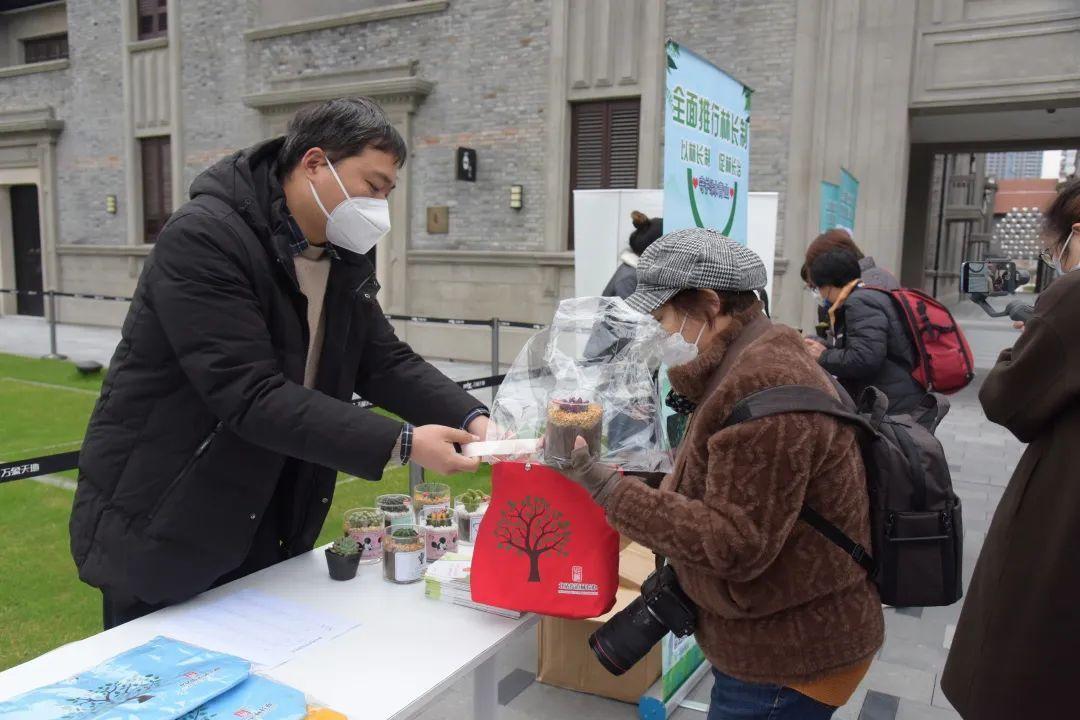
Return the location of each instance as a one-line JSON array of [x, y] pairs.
[[836, 268], [1063, 212], [342, 128], [834, 239]]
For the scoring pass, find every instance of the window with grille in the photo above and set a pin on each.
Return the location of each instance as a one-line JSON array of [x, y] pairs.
[[604, 140], [156, 185], [43, 49], [152, 18]]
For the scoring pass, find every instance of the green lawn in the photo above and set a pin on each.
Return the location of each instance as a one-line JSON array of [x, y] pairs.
[[44, 406]]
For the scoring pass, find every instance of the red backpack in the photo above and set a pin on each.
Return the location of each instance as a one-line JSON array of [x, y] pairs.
[[944, 362]]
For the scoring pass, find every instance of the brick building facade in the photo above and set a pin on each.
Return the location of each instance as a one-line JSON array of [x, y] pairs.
[[113, 125]]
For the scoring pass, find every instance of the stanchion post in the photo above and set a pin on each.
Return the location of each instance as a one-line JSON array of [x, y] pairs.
[[50, 298], [495, 346], [416, 476]]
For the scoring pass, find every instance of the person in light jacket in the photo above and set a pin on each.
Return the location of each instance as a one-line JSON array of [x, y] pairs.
[[646, 231]]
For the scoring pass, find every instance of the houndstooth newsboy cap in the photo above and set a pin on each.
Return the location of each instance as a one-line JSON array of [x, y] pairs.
[[693, 259]]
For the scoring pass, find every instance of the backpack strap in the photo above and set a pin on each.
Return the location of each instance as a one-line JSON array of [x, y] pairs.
[[837, 536], [800, 398], [793, 398]]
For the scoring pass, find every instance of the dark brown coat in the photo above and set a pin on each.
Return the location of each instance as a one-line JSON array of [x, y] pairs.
[[777, 602], [1015, 651]]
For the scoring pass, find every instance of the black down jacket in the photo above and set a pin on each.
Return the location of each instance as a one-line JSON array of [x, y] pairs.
[[203, 418], [872, 347]]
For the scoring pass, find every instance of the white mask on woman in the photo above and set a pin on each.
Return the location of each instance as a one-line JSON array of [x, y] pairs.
[[677, 350], [1056, 262], [357, 223]]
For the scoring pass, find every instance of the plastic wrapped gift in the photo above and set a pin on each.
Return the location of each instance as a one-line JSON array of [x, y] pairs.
[[589, 374]]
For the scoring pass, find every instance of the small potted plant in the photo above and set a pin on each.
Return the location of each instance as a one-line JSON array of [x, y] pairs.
[[442, 534], [366, 526], [342, 558], [403, 554], [430, 497], [396, 508], [471, 506], [568, 419]]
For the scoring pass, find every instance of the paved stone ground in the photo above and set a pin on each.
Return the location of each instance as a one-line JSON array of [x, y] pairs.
[[902, 683]]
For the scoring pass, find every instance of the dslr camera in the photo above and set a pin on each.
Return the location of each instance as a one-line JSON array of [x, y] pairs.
[[629, 635], [995, 277]]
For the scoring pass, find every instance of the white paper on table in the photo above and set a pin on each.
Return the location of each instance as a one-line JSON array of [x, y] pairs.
[[253, 625], [500, 448]]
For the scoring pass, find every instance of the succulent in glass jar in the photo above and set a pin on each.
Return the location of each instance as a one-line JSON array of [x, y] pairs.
[[404, 557], [472, 499], [471, 506]]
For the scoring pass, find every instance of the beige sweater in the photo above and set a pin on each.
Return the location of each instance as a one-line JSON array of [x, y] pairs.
[[312, 271]]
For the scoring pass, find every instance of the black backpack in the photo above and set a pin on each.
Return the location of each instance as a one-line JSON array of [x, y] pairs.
[[915, 524]]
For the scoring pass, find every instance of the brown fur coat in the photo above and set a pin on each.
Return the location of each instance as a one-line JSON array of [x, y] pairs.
[[777, 602]]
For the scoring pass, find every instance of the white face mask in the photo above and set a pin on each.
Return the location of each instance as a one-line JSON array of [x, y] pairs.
[[677, 350], [357, 223], [1061, 256]]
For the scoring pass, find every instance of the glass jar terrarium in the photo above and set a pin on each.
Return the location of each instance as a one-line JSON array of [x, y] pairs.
[[404, 558], [441, 529], [396, 509], [567, 419], [470, 509], [366, 526], [430, 497]]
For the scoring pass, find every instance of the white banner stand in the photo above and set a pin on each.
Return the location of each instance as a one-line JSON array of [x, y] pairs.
[[602, 228]]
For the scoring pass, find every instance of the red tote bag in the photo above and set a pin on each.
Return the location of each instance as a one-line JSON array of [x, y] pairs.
[[544, 546]]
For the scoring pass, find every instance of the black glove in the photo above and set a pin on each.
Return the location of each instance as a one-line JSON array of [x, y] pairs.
[[599, 479]]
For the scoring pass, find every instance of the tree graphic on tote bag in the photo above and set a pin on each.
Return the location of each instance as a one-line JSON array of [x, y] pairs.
[[532, 528], [113, 693]]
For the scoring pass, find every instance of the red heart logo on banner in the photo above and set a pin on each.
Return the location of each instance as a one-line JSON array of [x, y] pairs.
[[695, 182]]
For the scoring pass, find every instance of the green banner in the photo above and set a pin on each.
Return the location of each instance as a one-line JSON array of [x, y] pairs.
[[681, 657]]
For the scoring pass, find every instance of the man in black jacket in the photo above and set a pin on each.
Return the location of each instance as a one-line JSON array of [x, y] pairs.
[[214, 447], [870, 343]]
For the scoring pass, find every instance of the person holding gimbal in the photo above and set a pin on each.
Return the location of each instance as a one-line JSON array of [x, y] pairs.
[[789, 622], [1014, 651]]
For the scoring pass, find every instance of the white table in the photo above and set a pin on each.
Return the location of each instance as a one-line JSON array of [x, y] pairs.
[[406, 651]]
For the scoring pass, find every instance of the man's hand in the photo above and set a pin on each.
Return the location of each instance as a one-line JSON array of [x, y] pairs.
[[479, 427], [813, 347], [433, 449], [1018, 324]]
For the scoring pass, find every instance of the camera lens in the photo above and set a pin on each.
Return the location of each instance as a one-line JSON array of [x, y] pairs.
[[626, 638]]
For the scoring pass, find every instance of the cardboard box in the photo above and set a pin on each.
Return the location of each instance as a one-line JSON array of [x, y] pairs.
[[565, 659], [636, 563]]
